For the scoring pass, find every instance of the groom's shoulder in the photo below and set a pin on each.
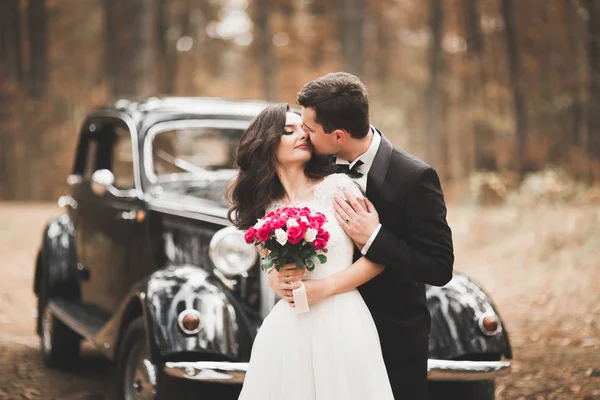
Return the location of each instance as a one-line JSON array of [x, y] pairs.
[[407, 162]]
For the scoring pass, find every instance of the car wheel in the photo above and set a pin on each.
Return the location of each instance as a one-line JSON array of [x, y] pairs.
[[60, 345], [478, 390], [140, 379]]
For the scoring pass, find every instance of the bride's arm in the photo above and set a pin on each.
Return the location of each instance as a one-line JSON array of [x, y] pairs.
[[359, 273]]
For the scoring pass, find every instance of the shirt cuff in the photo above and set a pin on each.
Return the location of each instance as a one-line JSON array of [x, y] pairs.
[[366, 247]]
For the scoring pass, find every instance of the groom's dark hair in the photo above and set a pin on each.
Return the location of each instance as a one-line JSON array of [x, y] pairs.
[[340, 101]]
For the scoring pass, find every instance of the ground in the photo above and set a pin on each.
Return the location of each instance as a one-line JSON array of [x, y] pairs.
[[540, 264]]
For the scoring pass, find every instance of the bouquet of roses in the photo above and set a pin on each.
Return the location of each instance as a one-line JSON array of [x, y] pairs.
[[290, 235]]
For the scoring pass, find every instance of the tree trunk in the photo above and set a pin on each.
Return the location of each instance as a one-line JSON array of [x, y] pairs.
[[576, 112], [265, 52], [37, 19], [512, 51], [351, 35], [111, 64], [143, 47], [475, 80], [11, 57], [166, 61], [594, 79], [433, 94], [11, 78]]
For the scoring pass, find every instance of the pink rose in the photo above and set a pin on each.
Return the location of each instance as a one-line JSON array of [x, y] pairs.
[[269, 226], [279, 223], [262, 234], [250, 235], [323, 234], [320, 243], [320, 218], [295, 234]]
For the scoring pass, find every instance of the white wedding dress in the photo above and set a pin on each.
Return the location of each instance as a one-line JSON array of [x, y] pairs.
[[331, 352]]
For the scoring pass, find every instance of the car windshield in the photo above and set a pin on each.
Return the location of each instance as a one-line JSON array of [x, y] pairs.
[[193, 157]]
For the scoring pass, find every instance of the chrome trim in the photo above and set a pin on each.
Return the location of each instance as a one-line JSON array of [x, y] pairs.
[[229, 283], [180, 321], [208, 371], [64, 201], [451, 370], [134, 144], [208, 214], [102, 180], [190, 123], [216, 240], [485, 331], [438, 370], [74, 179]]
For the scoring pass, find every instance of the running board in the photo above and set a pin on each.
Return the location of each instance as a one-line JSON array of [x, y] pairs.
[[84, 319]]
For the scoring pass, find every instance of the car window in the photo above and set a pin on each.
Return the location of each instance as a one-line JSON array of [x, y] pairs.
[[194, 149], [87, 148], [122, 158], [90, 157]]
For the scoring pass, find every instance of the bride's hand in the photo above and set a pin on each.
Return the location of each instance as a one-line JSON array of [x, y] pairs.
[[284, 281]]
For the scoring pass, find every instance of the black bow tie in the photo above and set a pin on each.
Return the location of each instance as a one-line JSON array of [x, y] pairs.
[[352, 172]]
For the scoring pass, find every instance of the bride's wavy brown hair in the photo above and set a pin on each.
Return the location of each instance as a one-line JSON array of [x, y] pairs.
[[257, 184]]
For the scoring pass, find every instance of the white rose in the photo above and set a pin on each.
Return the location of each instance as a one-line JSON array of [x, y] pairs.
[[291, 222], [310, 235], [281, 236], [259, 224], [304, 219]]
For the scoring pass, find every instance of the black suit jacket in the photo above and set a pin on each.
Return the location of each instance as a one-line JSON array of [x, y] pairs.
[[415, 245]]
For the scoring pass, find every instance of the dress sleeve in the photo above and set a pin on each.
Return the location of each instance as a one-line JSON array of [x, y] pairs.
[[344, 182]]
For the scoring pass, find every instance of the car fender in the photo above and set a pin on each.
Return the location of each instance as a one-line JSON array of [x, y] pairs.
[[225, 334], [455, 312], [57, 257]]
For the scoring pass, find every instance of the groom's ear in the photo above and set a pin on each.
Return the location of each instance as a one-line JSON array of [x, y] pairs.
[[340, 135]]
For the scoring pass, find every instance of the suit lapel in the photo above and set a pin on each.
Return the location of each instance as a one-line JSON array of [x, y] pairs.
[[379, 168]]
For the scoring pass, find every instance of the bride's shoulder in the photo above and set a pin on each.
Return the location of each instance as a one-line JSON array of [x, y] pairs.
[[337, 179], [337, 183]]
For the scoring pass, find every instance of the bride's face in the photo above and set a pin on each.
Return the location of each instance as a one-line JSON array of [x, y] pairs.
[[293, 148]]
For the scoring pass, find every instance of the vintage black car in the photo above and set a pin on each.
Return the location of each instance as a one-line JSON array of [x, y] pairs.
[[144, 264]]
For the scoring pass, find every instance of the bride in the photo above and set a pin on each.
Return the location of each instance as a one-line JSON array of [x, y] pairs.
[[331, 352]]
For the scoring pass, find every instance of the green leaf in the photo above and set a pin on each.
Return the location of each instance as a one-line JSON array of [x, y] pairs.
[[310, 265], [267, 265], [322, 258]]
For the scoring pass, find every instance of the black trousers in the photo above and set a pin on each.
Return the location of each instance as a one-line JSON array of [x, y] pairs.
[[409, 380]]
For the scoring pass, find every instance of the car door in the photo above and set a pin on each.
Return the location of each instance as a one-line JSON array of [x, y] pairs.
[[108, 222]]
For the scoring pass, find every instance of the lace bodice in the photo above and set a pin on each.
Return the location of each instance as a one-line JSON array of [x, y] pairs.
[[340, 247]]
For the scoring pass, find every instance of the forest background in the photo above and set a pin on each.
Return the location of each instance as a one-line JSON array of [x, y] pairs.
[[472, 86]]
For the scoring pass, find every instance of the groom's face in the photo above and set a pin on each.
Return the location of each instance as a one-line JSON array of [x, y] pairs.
[[323, 143]]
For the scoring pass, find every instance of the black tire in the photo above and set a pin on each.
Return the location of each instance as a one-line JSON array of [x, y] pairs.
[[132, 380], [60, 345], [478, 390]]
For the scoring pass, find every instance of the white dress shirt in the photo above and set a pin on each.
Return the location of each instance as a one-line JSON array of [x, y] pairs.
[[367, 158]]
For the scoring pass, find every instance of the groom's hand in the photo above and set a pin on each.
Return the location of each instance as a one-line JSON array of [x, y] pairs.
[[284, 281], [358, 221], [317, 290]]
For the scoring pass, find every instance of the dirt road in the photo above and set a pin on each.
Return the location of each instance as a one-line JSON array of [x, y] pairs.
[[541, 266]]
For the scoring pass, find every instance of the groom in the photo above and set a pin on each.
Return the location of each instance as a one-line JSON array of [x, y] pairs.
[[407, 233]]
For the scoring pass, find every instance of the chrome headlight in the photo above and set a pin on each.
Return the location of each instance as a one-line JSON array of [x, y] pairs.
[[230, 253]]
